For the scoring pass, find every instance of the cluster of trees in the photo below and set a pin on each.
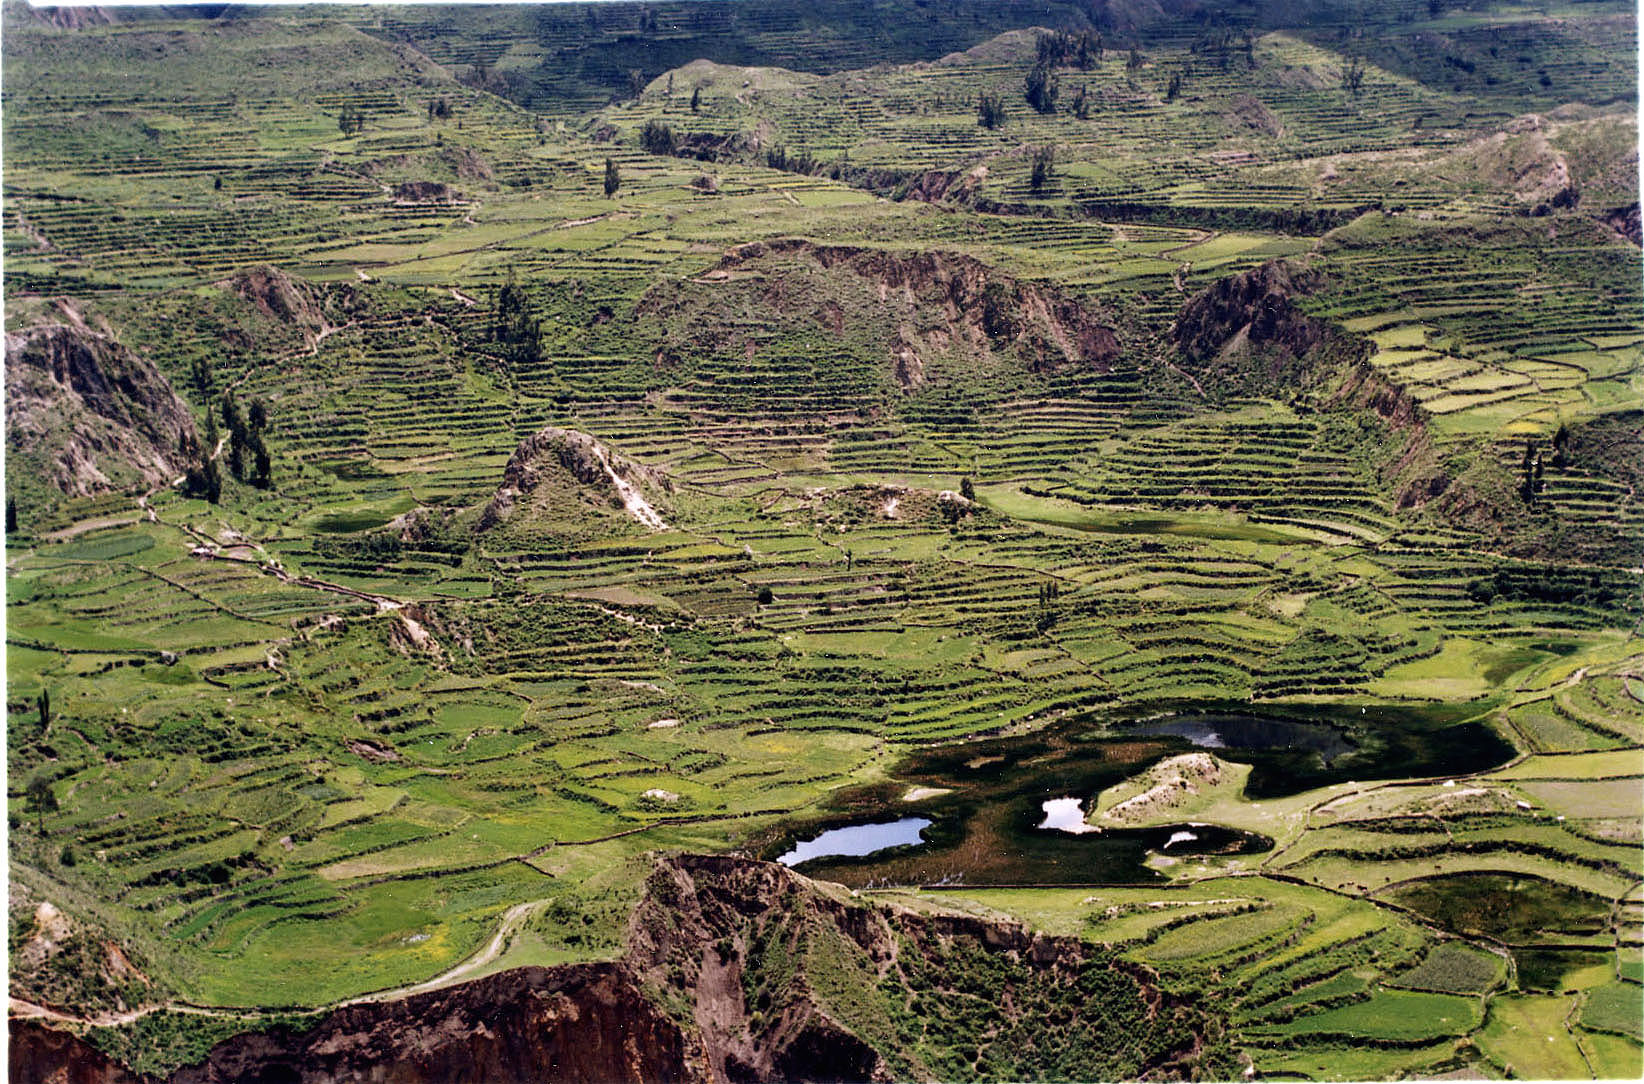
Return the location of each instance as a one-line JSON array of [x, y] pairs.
[[202, 478], [246, 448], [248, 458], [802, 161], [1065, 48], [657, 138], [1042, 87], [1552, 584], [1049, 593], [439, 109]]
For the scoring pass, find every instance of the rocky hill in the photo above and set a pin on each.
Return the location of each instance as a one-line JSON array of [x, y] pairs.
[[560, 480], [87, 415]]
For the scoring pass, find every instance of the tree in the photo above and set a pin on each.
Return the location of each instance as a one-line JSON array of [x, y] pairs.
[[1081, 104], [11, 515], [351, 120], [1135, 61], [1041, 88], [766, 596], [1352, 77], [238, 435], [43, 703], [613, 179], [1532, 471], [40, 799], [990, 110], [203, 479], [1174, 91], [516, 330], [1044, 161], [967, 488], [696, 98]]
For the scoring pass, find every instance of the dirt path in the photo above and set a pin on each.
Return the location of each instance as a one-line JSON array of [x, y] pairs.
[[511, 920]]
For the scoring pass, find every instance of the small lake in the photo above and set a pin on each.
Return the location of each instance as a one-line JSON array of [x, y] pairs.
[[857, 840], [1011, 809], [1231, 731]]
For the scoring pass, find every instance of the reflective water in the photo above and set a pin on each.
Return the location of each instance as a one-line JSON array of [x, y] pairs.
[[1231, 731], [1066, 815], [857, 839]]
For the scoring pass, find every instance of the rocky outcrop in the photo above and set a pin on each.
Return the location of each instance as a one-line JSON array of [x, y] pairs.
[[566, 468], [790, 979], [295, 304], [1625, 222], [424, 192], [921, 308], [90, 413], [1252, 311], [1413, 471]]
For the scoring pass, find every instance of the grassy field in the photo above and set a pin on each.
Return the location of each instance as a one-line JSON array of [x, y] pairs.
[[935, 463]]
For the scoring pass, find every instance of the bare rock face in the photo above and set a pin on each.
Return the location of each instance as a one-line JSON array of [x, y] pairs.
[[311, 310], [563, 471], [42, 1055], [92, 414], [586, 1022], [1625, 221]]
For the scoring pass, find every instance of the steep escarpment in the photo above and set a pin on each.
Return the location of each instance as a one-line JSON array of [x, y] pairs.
[[87, 415], [42, 1055], [915, 317], [561, 481], [738, 970]]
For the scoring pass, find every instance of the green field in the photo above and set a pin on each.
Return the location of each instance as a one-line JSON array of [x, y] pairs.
[[409, 539]]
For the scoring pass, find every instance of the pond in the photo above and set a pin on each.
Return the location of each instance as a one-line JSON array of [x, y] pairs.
[[1011, 809], [857, 839]]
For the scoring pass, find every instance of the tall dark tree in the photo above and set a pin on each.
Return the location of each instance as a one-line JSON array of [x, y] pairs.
[[696, 99], [43, 704], [613, 179], [239, 435], [990, 110], [1352, 76], [11, 515]]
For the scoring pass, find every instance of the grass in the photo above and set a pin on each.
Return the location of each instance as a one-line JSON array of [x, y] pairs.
[[304, 806]]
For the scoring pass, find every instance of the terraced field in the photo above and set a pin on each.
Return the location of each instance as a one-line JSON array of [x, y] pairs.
[[824, 469]]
